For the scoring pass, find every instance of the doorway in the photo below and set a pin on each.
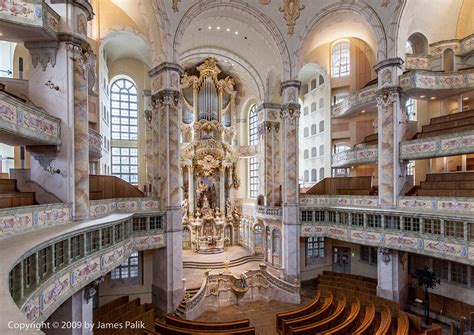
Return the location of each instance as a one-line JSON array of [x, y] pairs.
[[341, 261]]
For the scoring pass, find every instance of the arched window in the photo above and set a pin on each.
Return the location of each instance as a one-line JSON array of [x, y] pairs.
[[321, 126], [340, 148], [313, 84], [314, 175], [321, 103], [321, 80], [253, 133], [253, 162], [306, 154], [321, 173], [314, 152], [448, 60], [313, 129], [321, 150], [340, 59], [124, 107], [20, 68], [306, 176], [306, 111], [313, 107], [306, 132]]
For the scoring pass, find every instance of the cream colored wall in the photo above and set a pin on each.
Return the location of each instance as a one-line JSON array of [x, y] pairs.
[[109, 291], [21, 51], [465, 24], [109, 15], [138, 72]]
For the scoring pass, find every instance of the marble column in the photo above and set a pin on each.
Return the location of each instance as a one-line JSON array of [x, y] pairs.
[[222, 188], [392, 125], [167, 288], [392, 275], [290, 113], [81, 131], [148, 149], [191, 188]]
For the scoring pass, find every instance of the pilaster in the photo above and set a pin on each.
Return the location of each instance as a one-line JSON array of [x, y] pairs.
[[392, 275]]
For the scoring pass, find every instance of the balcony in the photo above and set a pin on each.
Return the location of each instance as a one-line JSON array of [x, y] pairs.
[[417, 62], [437, 84], [269, 212], [355, 102], [28, 20], [95, 145], [24, 124], [356, 156]]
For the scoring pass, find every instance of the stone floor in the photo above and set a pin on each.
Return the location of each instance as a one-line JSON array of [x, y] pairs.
[[261, 314]]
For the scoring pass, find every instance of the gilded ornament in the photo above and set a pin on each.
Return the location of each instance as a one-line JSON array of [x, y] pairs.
[[291, 12]]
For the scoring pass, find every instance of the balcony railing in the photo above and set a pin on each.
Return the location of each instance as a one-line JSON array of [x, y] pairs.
[[269, 211], [427, 80], [439, 146], [28, 122], [95, 145], [355, 102], [357, 156], [417, 62], [338, 200]]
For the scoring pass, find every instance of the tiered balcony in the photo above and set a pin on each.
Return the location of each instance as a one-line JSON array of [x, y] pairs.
[[363, 153], [355, 102], [28, 20]]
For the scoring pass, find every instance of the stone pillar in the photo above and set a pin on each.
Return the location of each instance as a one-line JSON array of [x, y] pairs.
[[148, 149], [222, 188], [191, 188], [392, 124], [392, 275], [290, 113], [81, 132], [167, 288]]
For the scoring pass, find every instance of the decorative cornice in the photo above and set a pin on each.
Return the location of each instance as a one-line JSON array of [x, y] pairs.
[[166, 66], [290, 111], [166, 97], [388, 62], [43, 53], [268, 105]]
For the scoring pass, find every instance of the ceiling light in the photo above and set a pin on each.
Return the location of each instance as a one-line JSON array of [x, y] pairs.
[[422, 96], [209, 27], [228, 29], [236, 33], [218, 28], [1, 34], [363, 111], [466, 98], [432, 98]]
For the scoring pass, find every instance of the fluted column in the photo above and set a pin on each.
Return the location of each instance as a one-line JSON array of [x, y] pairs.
[[290, 113], [80, 57], [391, 130], [167, 289]]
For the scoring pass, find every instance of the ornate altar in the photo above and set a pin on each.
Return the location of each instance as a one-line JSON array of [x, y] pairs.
[[208, 159]]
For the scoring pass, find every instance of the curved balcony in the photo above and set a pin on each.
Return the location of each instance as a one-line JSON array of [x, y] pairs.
[[23, 124], [95, 145], [438, 146], [394, 229], [40, 285], [437, 84], [355, 102], [269, 212], [29, 20], [357, 156]]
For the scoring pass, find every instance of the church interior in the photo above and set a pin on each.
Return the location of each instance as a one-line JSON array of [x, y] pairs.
[[237, 167]]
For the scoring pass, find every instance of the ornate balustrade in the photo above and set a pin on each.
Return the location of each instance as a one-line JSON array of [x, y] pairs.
[[439, 146], [447, 205], [338, 200], [28, 122], [356, 156], [417, 62], [95, 145], [100, 208], [355, 102], [447, 236], [42, 277], [419, 80], [245, 151], [459, 46], [39, 21], [223, 289], [268, 212]]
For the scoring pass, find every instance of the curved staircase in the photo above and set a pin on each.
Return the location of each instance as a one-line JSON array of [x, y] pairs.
[[220, 265]]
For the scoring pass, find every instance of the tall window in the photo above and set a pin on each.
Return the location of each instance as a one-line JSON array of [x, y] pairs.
[[410, 109], [253, 162], [124, 107], [125, 164], [315, 248], [128, 269], [340, 59]]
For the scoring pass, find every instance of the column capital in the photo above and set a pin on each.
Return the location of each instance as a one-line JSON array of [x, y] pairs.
[[165, 76], [387, 96], [290, 111], [166, 97], [43, 53], [289, 91], [391, 62]]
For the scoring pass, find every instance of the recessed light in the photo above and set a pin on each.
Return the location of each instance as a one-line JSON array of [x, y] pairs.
[[432, 98], [422, 96], [236, 33], [218, 28], [466, 98], [363, 111], [228, 29], [1, 34], [209, 27]]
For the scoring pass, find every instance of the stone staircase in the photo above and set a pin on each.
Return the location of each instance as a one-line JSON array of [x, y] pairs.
[[180, 311], [220, 265]]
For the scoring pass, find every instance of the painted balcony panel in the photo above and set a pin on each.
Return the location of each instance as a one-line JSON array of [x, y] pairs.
[[449, 205], [99, 208], [459, 46], [22, 124], [417, 62], [356, 156], [339, 200], [95, 145], [355, 102], [439, 146], [28, 20], [269, 212]]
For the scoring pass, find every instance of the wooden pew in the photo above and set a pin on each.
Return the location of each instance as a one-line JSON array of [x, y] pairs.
[[348, 322], [385, 322], [163, 328], [403, 324], [317, 315], [147, 318], [114, 315], [366, 325], [308, 309], [196, 325], [109, 306], [315, 327]]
